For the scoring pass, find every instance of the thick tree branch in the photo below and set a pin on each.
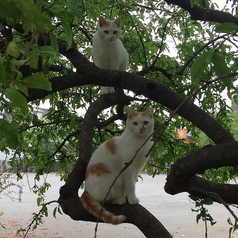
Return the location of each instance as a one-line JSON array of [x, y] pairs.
[[199, 13], [182, 176], [141, 86], [136, 215]]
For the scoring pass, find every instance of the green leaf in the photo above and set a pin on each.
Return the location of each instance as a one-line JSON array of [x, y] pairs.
[[37, 81], [32, 13], [39, 200], [235, 99], [3, 79], [54, 43], [59, 211], [17, 99], [44, 210], [227, 27], [220, 68], [47, 50], [13, 49], [207, 201], [54, 212], [32, 59], [194, 198], [220, 65], [68, 32], [9, 9], [10, 133], [21, 87], [200, 64], [18, 62], [193, 2]]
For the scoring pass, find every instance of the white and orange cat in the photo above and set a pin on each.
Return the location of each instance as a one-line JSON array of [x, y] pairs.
[[108, 50], [109, 159]]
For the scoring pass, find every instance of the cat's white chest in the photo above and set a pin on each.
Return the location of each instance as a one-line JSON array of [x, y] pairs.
[[106, 55]]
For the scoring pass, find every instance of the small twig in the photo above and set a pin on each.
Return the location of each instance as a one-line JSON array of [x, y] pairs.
[[215, 197], [27, 229], [29, 45], [44, 124], [64, 141], [162, 41]]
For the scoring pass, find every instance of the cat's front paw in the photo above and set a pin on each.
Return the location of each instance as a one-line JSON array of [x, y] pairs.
[[119, 200], [133, 200], [107, 90]]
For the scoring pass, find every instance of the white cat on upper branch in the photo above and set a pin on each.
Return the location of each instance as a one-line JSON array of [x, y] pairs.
[[108, 50]]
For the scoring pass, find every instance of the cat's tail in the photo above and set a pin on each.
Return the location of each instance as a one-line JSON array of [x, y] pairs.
[[96, 209]]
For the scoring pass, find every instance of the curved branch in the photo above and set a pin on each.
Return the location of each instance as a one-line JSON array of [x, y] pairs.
[[136, 215], [182, 179], [141, 86]]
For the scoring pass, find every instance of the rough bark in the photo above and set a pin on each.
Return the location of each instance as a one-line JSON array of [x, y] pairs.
[[136, 215]]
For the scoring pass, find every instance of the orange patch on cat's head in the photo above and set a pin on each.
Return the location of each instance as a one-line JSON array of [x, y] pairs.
[[111, 146], [132, 114], [97, 169], [103, 22]]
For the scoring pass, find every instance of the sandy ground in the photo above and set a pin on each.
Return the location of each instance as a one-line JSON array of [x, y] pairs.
[[174, 212]]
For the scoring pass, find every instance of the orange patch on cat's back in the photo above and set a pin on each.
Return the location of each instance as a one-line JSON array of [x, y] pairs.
[[111, 146], [97, 169]]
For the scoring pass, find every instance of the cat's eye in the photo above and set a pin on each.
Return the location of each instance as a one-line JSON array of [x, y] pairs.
[[145, 122], [135, 123], [114, 32], [106, 32]]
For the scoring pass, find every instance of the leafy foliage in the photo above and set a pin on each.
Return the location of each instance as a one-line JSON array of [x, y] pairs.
[[195, 59]]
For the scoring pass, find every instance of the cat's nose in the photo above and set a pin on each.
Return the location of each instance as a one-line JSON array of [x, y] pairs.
[[142, 129]]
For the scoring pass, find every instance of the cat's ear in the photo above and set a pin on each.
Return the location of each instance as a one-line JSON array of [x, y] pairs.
[[101, 21], [130, 113], [149, 111], [118, 21]]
